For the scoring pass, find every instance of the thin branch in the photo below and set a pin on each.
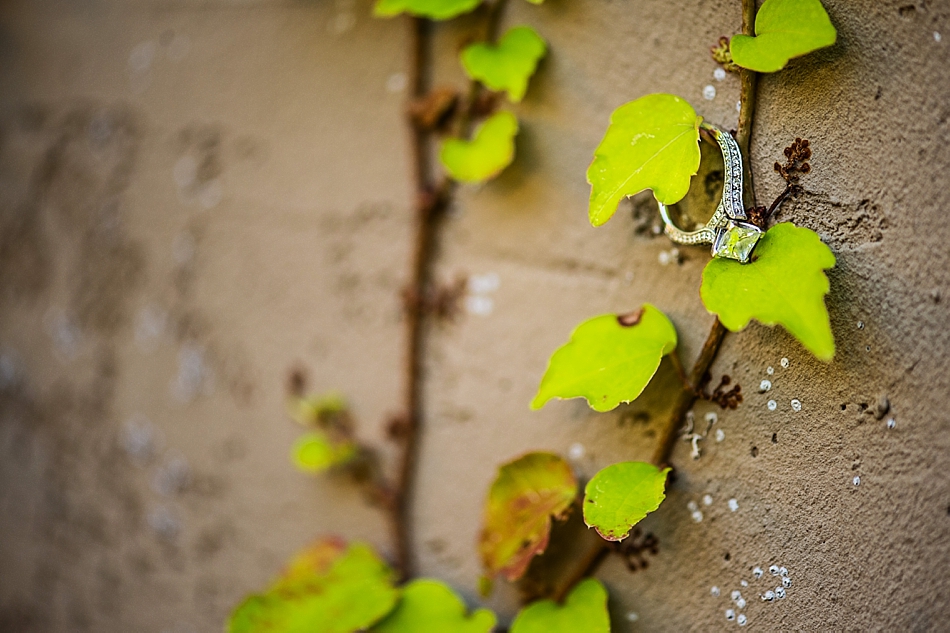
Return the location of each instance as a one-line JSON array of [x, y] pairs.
[[689, 393], [427, 202]]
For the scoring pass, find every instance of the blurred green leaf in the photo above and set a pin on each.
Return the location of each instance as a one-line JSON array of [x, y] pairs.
[[783, 29], [524, 496], [610, 359], [509, 64], [487, 154], [619, 496], [783, 284], [435, 9], [329, 588], [652, 143], [584, 611], [311, 410], [430, 606], [316, 452]]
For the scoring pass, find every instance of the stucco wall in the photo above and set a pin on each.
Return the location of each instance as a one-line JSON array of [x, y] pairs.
[[197, 196]]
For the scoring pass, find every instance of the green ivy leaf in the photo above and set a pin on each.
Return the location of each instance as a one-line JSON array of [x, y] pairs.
[[783, 29], [509, 64], [329, 588], [784, 283], [524, 496], [313, 410], [619, 496], [652, 143], [585, 609], [430, 606], [610, 359], [435, 9], [316, 452], [487, 154]]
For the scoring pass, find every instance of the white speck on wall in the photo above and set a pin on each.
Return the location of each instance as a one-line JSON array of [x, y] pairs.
[[479, 305], [692, 506], [165, 522], [773, 570], [697, 516], [396, 82], [744, 583], [576, 451], [757, 572], [772, 405], [342, 22], [796, 404], [783, 571], [696, 453], [183, 248], [178, 47], [860, 325], [765, 385], [714, 591], [891, 423], [149, 327], [632, 617], [742, 620], [768, 596], [733, 505], [937, 36], [140, 439], [663, 258], [173, 476], [483, 284], [779, 593], [185, 171], [730, 614], [194, 376], [210, 194], [720, 435], [707, 500], [740, 603], [141, 57], [735, 595], [857, 480], [711, 417], [770, 370], [719, 74], [738, 106], [709, 92], [784, 363], [786, 582]]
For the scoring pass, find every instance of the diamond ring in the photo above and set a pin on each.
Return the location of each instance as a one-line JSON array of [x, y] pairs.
[[729, 230]]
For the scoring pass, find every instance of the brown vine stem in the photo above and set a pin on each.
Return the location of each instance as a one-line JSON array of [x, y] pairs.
[[430, 201], [427, 203], [687, 396]]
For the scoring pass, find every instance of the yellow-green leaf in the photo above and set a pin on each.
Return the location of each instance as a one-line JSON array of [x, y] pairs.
[[329, 588], [430, 606], [487, 154], [524, 496], [313, 410], [784, 284], [584, 611], [316, 452], [435, 9], [509, 64], [652, 143], [610, 359], [783, 29], [619, 496]]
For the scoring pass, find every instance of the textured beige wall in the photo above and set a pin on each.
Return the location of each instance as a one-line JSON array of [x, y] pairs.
[[196, 196]]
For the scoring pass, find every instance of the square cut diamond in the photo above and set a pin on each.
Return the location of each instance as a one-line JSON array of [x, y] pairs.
[[737, 241]]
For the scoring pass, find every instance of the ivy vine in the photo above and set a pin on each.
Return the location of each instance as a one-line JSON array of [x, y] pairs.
[[651, 143]]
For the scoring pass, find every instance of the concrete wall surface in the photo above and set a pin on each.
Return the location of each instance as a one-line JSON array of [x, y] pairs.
[[198, 195]]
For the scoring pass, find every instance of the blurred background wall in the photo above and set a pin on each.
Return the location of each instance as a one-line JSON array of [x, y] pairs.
[[197, 196]]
